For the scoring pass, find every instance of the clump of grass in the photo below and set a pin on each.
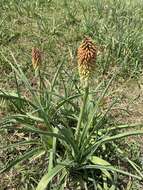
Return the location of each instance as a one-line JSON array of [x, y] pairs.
[[75, 141], [49, 113]]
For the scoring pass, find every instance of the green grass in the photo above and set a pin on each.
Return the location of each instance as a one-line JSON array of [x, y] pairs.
[[57, 28]]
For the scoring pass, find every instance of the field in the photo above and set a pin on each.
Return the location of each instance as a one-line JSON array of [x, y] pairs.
[[55, 132]]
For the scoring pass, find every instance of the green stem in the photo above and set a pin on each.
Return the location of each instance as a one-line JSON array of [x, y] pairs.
[[82, 112], [40, 86]]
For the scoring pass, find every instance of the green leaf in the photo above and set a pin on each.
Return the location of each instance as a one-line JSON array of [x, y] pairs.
[[65, 135], [26, 156], [68, 99], [134, 165], [78, 128], [86, 127], [89, 152], [12, 96], [68, 135], [113, 187], [100, 161], [37, 155], [121, 127], [56, 75], [48, 177], [98, 102], [110, 168], [30, 142], [53, 152], [16, 67], [62, 180], [96, 160]]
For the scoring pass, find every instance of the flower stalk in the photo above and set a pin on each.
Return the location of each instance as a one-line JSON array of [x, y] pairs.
[[86, 92], [86, 56]]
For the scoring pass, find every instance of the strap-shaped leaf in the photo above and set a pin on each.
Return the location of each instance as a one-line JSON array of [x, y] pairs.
[[109, 168], [27, 155], [100, 161], [21, 143], [49, 176], [89, 152]]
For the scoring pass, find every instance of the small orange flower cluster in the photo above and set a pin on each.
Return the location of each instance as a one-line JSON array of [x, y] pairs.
[[36, 58], [86, 59]]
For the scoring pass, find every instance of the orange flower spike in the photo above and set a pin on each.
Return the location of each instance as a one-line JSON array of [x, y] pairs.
[[36, 58], [86, 56]]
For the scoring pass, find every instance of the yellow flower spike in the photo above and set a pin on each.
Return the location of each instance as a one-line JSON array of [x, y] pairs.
[[36, 58], [86, 56]]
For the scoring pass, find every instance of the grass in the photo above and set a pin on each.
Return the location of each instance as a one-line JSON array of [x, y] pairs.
[[57, 28]]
